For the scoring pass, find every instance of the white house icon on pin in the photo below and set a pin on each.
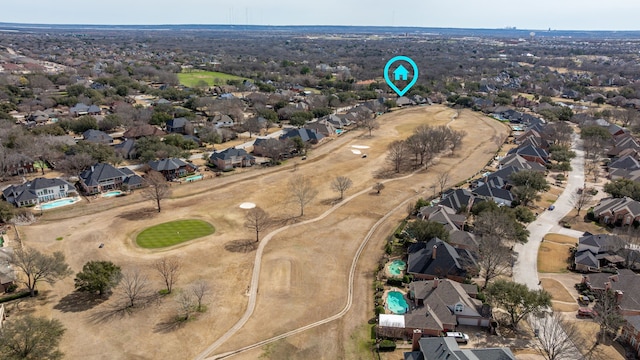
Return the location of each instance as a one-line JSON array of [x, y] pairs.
[[400, 73]]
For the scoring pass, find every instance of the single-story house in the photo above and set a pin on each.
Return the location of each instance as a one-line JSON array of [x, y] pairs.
[[443, 215], [178, 125], [446, 348], [307, 135], [36, 191], [531, 153], [126, 149], [172, 168], [104, 177], [438, 259], [231, 158], [97, 136], [617, 211], [137, 132]]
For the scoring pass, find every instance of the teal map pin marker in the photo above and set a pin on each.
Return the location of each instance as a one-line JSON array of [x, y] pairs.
[[400, 73]]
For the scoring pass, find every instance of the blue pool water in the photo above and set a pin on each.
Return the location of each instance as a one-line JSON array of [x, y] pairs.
[[397, 266], [112, 193], [396, 302], [57, 203], [339, 131], [193, 178]]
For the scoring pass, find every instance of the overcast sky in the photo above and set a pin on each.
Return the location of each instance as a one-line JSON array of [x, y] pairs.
[[540, 14]]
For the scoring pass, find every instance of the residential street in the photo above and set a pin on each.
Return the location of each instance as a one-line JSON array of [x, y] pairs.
[[525, 270]]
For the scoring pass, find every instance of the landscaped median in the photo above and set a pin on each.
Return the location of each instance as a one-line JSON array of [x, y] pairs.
[[173, 233]]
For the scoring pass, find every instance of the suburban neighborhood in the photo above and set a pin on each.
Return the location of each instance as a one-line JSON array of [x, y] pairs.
[[274, 196]]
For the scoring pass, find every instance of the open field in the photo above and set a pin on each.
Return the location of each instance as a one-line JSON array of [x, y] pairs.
[[304, 273], [173, 232], [212, 78], [552, 256]]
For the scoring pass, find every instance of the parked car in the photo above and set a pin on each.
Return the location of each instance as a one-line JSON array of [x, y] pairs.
[[587, 312], [552, 207], [459, 336], [583, 300]]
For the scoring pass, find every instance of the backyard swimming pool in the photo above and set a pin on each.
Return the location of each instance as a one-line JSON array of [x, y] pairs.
[[193, 178], [397, 267], [58, 203], [112, 193], [396, 302]]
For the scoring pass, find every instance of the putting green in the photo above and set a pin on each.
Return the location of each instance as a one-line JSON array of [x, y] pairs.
[[173, 232]]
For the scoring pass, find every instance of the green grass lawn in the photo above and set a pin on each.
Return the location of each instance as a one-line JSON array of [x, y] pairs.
[[191, 79], [173, 232]]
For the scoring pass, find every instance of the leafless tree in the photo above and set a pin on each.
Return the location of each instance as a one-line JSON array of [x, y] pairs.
[[302, 191], [582, 199], [200, 291], [628, 117], [274, 149], [370, 124], [341, 184], [37, 266], [185, 302], [556, 338], [455, 139], [443, 180], [157, 188], [397, 154], [134, 287], [257, 220], [378, 187], [494, 258], [559, 133], [169, 269], [253, 126], [608, 315], [73, 165]]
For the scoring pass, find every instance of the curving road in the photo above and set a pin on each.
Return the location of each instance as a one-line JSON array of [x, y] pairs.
[[525, 270]]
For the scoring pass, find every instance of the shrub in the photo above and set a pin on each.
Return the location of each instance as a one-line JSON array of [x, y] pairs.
[[387, 345], [394, 282], [19, 295], [379, 309], [406, 279], [11, 288]]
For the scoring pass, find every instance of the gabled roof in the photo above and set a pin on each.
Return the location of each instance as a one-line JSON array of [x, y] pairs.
[[443, 215], [613, 205], [446, 348], [177, 122], [167, 164], [97, 136], [448, 261], [625, 281], [28, 190], [143, 130], [498, 195], [587, 258], [100, 172], [456, 199], [626, 162], [126, 147], [305, 134], [230, 153], [530, 150]]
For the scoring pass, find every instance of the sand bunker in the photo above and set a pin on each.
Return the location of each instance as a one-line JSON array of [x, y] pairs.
[[247, 205], [358, 152], [360, 146]]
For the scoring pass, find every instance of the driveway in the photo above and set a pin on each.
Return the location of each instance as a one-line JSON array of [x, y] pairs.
[[525, 270]]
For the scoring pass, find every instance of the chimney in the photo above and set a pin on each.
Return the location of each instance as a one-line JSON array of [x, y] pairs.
[[436, 281], [619, 294], [585, 279], [433, 253], [613, 278], [415, 341], [607, 286]]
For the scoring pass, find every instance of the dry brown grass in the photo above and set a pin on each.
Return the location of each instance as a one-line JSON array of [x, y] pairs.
[[561, 239], [552, 258], [557, 290], [579, 223], [588, 332], [305, 267]]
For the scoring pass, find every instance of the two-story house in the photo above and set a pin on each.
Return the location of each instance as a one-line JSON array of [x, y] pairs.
[[231, 158], [37, 191], [172, 168], [104, 177]]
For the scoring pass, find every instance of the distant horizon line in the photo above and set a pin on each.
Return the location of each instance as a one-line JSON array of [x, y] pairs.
[[41, 25]]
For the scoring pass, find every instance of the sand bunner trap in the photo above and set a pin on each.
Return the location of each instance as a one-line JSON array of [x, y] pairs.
[[247, 205], [173, 232]]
